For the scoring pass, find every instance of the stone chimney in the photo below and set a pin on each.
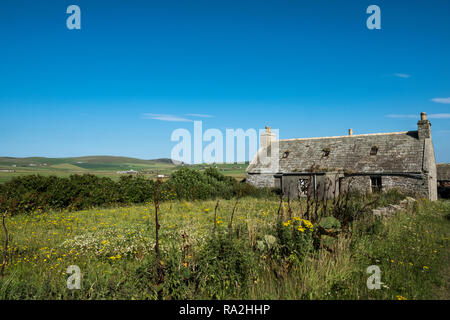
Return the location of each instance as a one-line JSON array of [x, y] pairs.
[[424, 127], [266, 138], [350, 132]]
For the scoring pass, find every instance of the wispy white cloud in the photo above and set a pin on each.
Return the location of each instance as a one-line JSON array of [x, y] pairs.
[[415, 116], [439, 116], [402, 75], [441, 100], [402, 116], [198, 115], [165, 117]]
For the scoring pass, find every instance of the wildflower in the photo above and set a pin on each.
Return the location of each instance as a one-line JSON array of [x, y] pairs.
[[301, 229], [425, 268], [307, 224], [401, 298], [286, 224]]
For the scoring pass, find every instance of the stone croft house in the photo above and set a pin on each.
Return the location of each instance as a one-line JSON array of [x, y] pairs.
[[332, 165]]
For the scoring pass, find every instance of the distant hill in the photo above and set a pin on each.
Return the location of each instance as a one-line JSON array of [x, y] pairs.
[[105, 166], [87, 162]]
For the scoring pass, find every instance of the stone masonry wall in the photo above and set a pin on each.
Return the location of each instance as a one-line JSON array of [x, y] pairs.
[[356, 183], [415, 186], [262, 180], [406, 184]]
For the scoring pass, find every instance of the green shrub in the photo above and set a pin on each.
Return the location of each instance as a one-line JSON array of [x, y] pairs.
[[295, 239], [135, 189], [192, 184], [225, 268], [29, 193], [26, 194]]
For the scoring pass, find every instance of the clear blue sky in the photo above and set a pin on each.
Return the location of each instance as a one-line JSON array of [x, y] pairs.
[[309, 68]]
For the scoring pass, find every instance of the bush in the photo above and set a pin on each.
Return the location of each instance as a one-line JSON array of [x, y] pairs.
[[295, 239], [30, 193], [225, 268], [135, 189], [191, 184]]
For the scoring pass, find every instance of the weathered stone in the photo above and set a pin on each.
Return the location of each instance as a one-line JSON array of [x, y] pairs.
[[443, 172], [400, 160]]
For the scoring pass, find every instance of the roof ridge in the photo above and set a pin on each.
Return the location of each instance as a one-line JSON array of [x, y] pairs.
[[348, 136]]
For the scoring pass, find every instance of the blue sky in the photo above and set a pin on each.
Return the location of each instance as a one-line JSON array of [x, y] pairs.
[[138, 69]]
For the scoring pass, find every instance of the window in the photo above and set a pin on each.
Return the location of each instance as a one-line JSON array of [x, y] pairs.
[[303, 186], [373, 150], [376, 184]]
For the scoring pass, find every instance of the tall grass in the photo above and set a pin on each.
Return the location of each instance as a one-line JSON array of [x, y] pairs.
[[114, 248]]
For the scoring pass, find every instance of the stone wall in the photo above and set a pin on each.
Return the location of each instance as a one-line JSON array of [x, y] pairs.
[[403, 160], [262, 180], [355, 183], [410, 185], [413, 186], [429, 168]]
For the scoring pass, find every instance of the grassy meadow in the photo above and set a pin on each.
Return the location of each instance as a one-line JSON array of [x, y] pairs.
[[114, 248], [102, 166]]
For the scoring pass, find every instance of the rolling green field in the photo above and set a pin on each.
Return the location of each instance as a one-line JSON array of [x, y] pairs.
[[104, 166], [114, 249], [254, 248]]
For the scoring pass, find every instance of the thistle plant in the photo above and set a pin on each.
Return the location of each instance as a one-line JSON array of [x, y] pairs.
[[5, 245], [159, 264]]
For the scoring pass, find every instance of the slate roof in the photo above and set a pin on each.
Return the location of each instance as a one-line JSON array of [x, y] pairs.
[[397, 152], [443, 171]]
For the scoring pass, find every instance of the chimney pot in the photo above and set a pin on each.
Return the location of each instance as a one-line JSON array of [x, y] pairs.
[[267, 129], [423, 116], [424, 127], [350, 132]]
